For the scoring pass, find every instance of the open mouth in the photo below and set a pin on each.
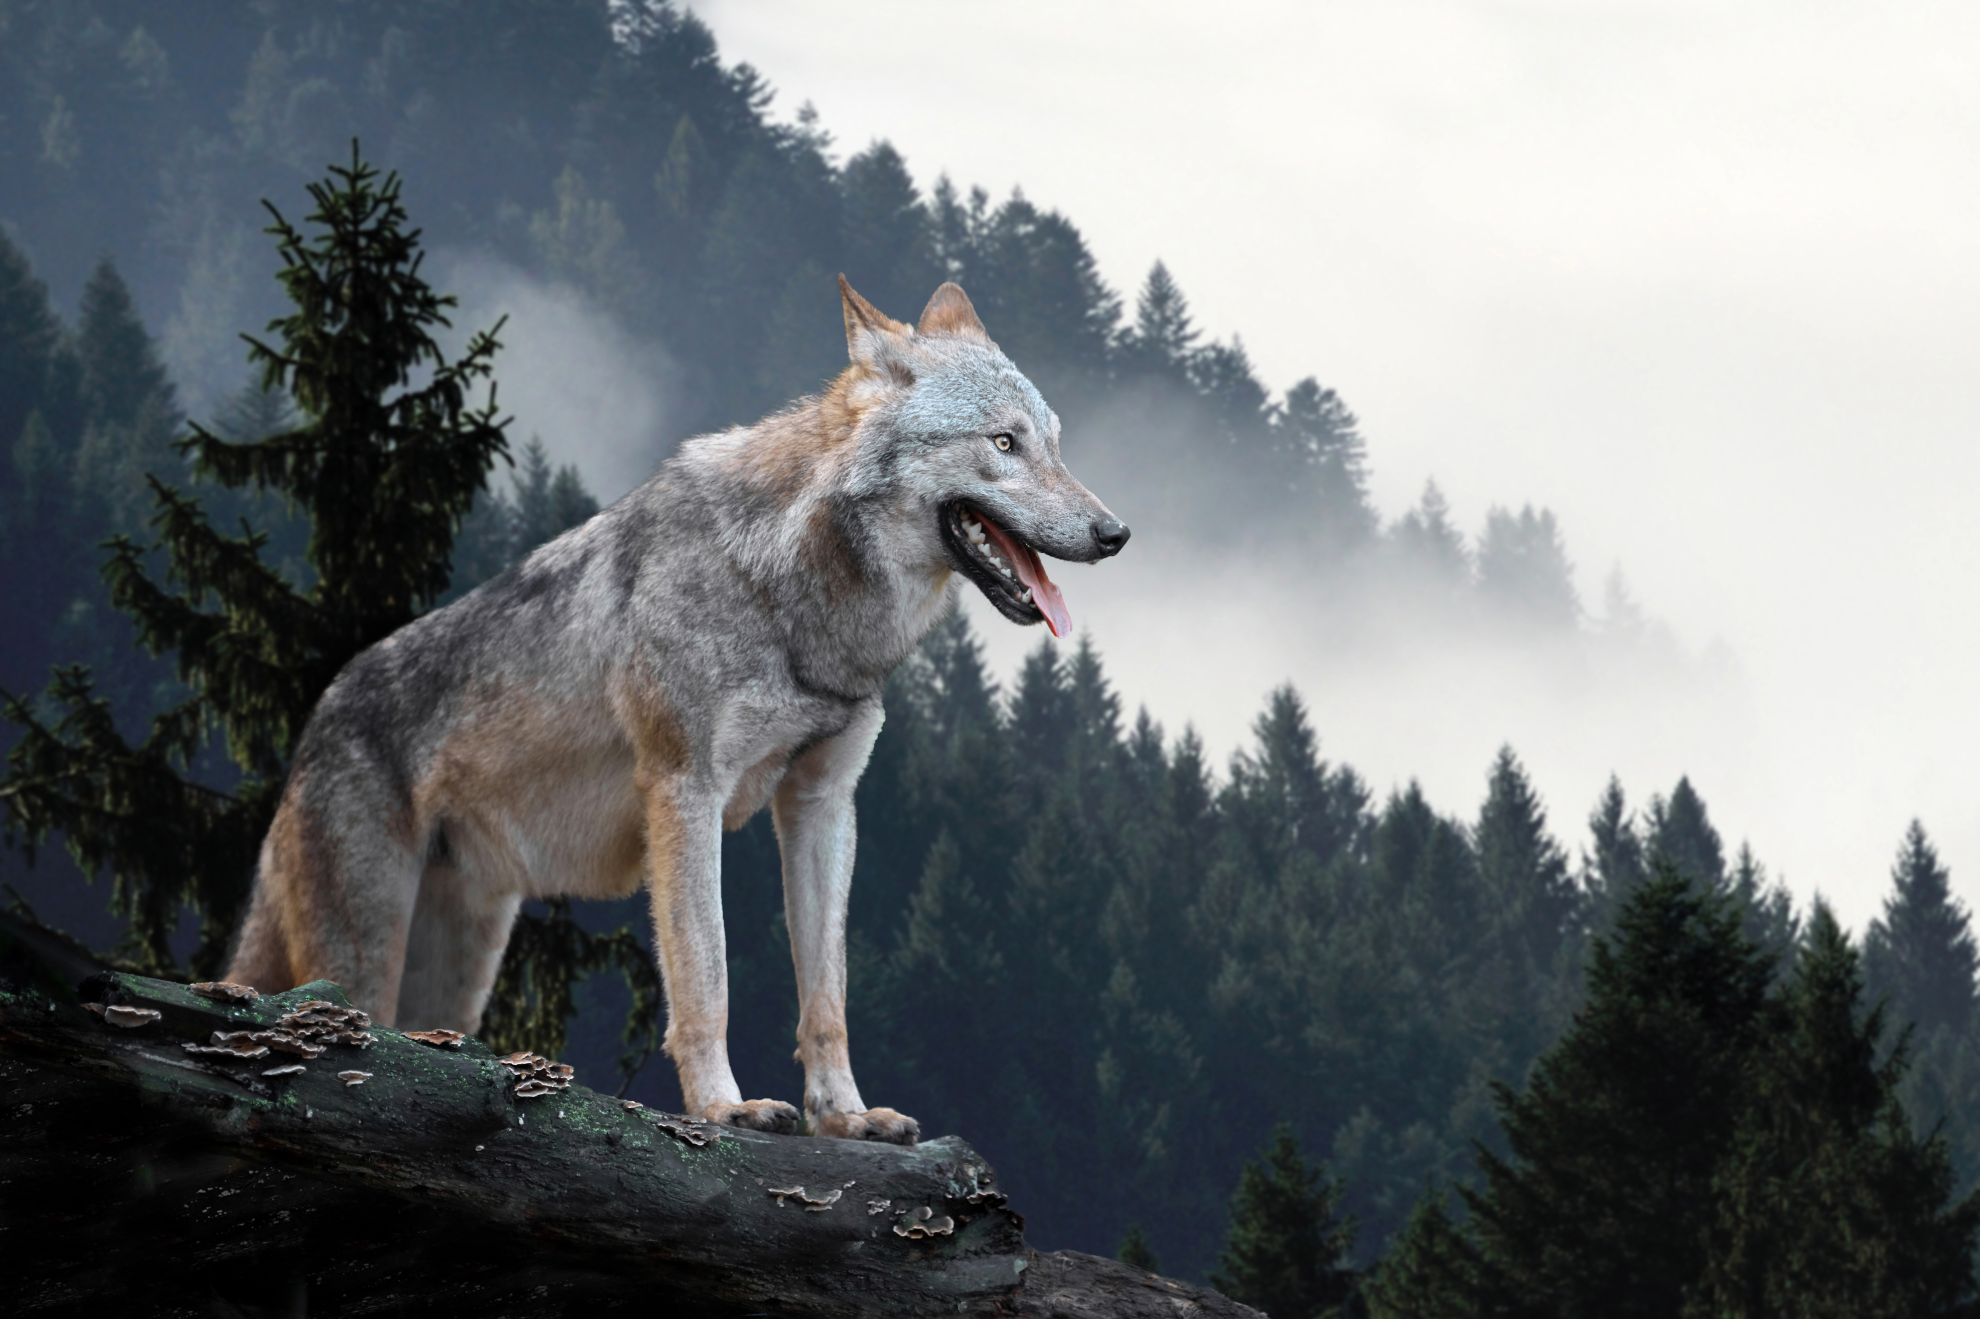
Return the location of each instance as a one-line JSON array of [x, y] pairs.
[[1004, 568]]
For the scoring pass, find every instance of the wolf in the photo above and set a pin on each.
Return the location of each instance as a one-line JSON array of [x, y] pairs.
[[715, 642]]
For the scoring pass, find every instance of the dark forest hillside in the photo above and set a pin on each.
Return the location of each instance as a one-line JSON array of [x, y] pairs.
[[1114, 966], [607, 149]]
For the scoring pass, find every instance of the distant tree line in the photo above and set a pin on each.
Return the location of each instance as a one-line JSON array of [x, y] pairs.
[[605, 145]]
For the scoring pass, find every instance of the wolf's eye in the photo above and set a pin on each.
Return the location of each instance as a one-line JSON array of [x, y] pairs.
[[1003, 442]]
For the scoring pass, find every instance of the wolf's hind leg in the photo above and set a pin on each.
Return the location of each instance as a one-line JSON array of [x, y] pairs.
[[813, 811], [460, 927], [334, 892]]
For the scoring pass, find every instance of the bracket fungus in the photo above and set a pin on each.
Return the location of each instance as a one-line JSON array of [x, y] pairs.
[[536, 1075], [687, 1129], [318, 1022], [237, 1044], [130, 1018], [286, 1069], [920, 1223], [225, 991], [353, 1077], [813, 1204], [439, 1039]]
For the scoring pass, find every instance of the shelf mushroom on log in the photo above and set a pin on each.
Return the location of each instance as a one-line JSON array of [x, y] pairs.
[[184, 1148]]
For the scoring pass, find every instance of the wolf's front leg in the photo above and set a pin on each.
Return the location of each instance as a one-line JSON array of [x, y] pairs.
[[813, 811], [684, 855]]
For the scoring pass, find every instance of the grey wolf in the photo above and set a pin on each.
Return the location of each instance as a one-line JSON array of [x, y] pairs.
[[715, 642]]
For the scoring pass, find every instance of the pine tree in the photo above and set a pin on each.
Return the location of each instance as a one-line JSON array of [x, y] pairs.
[[1523, 569], [30, 336], [1615, 864], [1532, 902], [1287, 798], [1604, 1203], [41, 542], [1228, 385], [1766, 908], [531, 521], [1162, 341], [1322, 438], [889, 247], [1681, 836], [1829, 1205], [1426, 872], [384, 467], [1288, 1245], [1524, 870], [1921, 954], [1039, 289], [1135, 1252], [130, 408], [1429, 543], [571, 504]]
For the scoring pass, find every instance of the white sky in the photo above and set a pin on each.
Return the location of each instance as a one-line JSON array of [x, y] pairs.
[[1702, 277]]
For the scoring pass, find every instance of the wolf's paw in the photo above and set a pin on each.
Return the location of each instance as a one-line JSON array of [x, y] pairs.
[[874, 1124], [756, 1114]]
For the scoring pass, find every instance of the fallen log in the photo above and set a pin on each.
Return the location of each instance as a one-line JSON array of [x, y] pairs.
[[184, 1152]]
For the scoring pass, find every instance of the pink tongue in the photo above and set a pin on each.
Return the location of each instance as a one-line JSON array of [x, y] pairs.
[[1031, 572]]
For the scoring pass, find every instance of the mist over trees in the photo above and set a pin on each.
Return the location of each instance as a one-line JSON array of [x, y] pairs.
[[607, 148], [1238, 1015]]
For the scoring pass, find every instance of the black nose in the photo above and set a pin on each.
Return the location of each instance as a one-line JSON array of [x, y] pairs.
[[1110, 534]]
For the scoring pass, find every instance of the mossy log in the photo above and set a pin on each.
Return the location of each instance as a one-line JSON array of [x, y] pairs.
[[136, 1173]]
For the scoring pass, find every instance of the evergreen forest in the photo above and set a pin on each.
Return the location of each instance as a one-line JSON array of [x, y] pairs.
[[1252, 1021]]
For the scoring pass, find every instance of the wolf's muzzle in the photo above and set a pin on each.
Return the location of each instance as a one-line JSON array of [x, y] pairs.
[[1110, 534]]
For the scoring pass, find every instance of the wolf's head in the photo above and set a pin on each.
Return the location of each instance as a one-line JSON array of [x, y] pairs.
[[946, 419]]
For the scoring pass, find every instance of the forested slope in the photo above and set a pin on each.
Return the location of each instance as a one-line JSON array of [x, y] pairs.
[[1108, 962]]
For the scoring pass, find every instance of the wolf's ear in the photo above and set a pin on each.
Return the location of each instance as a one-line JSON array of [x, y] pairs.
[[874, 339], [950, 312]]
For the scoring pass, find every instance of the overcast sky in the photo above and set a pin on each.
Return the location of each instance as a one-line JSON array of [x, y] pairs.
[[1703, 277]]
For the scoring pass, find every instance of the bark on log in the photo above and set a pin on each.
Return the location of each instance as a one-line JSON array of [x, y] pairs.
[[140, 1177]]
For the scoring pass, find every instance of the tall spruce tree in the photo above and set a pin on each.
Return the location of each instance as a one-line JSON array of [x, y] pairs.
[[385, 461], [41, 538], [30, 337], [1829, 1204], [130, 409], [1136, 1252], [1162, 340], [1523, 868], [1681, 835], [1604, 1202], [1428, 544], [1532, 902], [1920, 953], [1288, 1245], [1523, 569], [1328, 459], [1614, 865], [1766, 908]]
